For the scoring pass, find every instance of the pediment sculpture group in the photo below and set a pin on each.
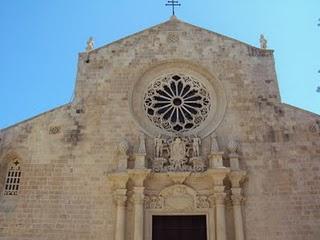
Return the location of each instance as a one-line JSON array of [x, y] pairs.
[[177, 154]]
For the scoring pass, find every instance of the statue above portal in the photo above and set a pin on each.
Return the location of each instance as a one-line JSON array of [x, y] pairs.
[[158, 142], [177, 154]]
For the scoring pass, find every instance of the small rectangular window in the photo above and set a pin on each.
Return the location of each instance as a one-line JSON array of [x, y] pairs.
[[13, 180]]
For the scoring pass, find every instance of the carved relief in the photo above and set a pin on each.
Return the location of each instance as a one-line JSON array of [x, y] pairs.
[[153, 202], [172, 37], [177, 197], [177, 154], [202, 201], [54, 130]]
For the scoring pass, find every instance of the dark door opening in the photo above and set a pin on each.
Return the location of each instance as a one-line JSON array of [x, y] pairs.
[[179, 227]]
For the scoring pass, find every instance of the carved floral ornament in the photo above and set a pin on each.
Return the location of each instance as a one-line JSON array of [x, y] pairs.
[[177, 197]]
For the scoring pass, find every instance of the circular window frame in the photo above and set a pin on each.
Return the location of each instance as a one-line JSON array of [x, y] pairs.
[[177, 103], [212, 84]]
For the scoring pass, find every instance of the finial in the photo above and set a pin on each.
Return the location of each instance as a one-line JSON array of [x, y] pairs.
[[90, 44], [173, 3], [263, 42], [233, 146]]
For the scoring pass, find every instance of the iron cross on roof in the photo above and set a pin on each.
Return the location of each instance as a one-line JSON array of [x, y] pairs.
[[173, 4]]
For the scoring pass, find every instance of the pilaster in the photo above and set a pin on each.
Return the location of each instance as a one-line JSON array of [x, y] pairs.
[[218, 176], [119, 182], [236, 178], [138, 176]]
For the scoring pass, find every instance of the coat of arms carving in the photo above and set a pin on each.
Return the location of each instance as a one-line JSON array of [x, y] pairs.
[[177, 154]]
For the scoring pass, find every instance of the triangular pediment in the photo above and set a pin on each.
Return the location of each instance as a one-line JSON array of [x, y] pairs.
[[173, 25]]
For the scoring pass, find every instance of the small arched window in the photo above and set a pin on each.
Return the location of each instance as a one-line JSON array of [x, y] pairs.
[[12, 181]]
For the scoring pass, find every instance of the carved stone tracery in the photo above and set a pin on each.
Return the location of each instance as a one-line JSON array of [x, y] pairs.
[[177, 103]]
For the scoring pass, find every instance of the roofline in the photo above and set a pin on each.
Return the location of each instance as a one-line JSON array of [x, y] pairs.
[[34, 117], [178, 20], [302, 110], [124, 38], [224, 36]]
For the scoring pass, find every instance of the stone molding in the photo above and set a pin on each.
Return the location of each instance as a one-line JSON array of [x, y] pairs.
[[178, 198]]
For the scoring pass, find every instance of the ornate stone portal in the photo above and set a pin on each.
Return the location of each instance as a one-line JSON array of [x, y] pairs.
[[180, 182]]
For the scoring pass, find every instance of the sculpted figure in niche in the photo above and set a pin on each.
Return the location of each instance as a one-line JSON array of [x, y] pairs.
[[177, 153], [196, 146], [158, 142]]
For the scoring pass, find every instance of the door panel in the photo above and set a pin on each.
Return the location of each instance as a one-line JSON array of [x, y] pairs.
[[179, 228]]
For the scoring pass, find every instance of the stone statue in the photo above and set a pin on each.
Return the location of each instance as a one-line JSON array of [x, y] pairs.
[[177, 153], [142, 145], [196, 146], [263, 42], [90, 44], [158, 142], [214, 143]]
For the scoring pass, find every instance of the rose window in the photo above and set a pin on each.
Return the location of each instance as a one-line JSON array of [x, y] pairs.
[[177, 103]]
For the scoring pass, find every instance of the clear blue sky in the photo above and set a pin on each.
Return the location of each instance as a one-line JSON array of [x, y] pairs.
[[40, 41]]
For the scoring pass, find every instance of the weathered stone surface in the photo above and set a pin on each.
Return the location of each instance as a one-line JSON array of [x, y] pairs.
[[67, 153]]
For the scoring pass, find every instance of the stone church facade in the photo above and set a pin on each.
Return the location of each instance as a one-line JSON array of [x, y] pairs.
[[174, 121]]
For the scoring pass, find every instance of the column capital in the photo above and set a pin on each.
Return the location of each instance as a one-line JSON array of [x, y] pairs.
[[237, 178], [218, 175], [118, 179], [138, 176]]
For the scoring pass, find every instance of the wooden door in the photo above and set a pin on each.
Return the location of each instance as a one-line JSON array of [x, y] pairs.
[[179, 227]]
